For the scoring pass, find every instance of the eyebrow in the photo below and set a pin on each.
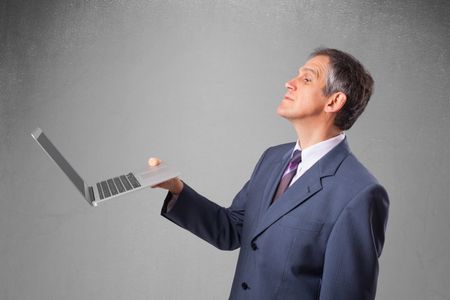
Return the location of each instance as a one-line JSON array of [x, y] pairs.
[[309, 70]]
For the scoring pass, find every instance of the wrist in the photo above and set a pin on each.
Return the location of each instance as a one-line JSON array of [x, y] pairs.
[[177, 187]]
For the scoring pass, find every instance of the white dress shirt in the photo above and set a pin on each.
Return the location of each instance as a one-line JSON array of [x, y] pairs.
[[311, 154]]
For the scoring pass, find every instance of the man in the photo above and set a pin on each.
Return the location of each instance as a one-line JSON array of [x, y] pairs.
[[311, 219]]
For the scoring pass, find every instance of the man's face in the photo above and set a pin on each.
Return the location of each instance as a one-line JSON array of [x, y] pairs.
[[304, 99]]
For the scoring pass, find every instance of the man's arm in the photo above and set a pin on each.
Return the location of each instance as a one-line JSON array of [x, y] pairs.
[[214, 224], [354, 246], [217, 225]]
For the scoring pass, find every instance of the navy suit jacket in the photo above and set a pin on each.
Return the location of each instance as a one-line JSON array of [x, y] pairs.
[[320, 240]]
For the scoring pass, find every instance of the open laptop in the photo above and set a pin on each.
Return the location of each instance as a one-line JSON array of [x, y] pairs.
[[108, 188]]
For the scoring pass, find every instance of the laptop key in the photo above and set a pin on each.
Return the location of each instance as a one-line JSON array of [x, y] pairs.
[[133, 180], [119, 185], [100, 192], [112, 187], [126, 183], [105, 189]]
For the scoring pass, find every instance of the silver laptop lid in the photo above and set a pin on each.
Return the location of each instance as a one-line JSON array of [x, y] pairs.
[[57, 157]]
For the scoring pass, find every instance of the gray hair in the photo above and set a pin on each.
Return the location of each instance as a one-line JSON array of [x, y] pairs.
[[347, 75]]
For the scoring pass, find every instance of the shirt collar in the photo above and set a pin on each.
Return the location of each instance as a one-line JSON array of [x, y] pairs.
[[319, 149]]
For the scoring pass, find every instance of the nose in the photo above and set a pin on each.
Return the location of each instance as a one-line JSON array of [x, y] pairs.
[[290, 85]]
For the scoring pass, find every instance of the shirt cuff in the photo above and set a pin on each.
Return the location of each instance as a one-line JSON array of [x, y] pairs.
[[171, 203]]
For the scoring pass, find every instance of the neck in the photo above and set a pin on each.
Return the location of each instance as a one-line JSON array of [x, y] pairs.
[[310, 135]]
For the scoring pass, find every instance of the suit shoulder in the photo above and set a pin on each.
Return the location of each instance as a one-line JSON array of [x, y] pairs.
[[358, 185], [353, 168]]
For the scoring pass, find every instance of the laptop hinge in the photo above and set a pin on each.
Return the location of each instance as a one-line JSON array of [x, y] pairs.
[[91, 197]]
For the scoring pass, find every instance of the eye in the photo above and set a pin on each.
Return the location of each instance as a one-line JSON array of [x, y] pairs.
[[307, 79]]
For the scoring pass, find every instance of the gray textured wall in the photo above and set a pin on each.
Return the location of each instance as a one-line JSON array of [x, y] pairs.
[[197, 84]]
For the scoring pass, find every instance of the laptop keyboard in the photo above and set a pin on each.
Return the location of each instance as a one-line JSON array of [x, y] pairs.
[[117, 185]]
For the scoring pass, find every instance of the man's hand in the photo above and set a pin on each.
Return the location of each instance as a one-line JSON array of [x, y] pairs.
[[174, 185]]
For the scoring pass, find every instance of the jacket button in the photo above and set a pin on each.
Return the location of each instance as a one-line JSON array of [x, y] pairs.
[[245, 286], [254, 246]]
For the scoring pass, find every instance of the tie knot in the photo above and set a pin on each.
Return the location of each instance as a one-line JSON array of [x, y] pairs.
[[293, 163], [296, 157]]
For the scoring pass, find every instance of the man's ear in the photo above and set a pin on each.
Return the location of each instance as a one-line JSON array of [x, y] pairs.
[[335, 102]]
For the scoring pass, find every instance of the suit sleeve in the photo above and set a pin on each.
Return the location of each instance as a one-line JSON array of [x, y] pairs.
[[219, 226], [354, 246]]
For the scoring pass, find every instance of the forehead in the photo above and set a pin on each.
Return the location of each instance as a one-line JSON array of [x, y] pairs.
[[318, 65]]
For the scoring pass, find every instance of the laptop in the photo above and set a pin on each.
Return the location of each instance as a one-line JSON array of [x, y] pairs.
[[108, 188]]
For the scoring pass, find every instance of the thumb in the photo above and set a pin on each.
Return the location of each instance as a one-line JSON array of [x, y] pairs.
[[153, 161]]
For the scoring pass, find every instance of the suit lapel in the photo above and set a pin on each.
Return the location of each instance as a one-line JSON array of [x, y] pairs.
[[274, 179], [305, 187]]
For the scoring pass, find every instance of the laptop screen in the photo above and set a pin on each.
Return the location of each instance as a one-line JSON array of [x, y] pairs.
[[60, 160]]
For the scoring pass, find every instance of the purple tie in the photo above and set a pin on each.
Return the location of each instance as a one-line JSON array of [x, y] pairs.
[[288, 174]]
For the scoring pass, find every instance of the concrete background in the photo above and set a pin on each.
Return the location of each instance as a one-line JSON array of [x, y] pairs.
[[197, 84]]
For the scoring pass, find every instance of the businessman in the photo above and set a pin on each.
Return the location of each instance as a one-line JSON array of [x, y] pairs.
[[310, 221]]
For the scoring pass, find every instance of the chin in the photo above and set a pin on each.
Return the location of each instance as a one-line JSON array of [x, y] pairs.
[[282, 113]]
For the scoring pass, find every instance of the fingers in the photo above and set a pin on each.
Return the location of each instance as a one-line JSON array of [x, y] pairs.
[[153, 161], [174, 185]]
